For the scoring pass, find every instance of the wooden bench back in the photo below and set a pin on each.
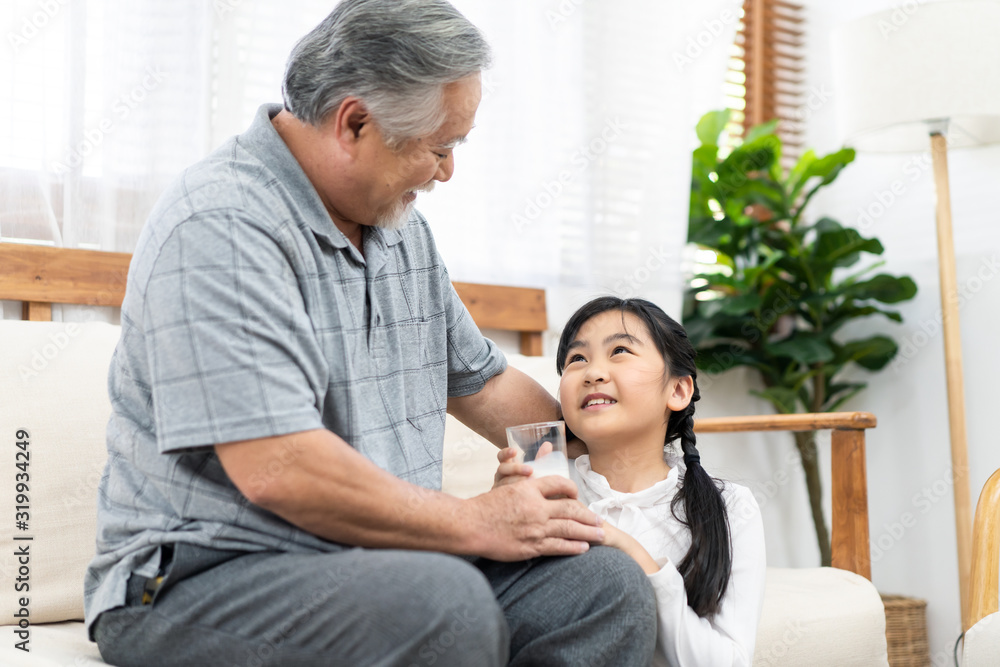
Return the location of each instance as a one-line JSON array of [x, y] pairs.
[[40, 276]]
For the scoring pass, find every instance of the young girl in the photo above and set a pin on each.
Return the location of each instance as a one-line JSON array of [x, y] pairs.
[[628, 390]]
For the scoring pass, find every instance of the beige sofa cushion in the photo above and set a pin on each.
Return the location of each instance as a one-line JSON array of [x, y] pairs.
[[53, 379], [818, 617]]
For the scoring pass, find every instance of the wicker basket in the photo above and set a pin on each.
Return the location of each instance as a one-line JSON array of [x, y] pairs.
[[906, 631]]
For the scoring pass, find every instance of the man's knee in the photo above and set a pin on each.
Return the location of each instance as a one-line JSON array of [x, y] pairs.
[[616, 578], [456, 614]]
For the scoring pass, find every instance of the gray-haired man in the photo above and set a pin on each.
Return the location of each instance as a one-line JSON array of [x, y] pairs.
[[290, 343]]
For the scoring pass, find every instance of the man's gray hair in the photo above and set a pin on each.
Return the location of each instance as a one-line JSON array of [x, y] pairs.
[[395, 55]]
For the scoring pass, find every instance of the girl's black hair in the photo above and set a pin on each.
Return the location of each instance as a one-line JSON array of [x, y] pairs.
[[707, 565]]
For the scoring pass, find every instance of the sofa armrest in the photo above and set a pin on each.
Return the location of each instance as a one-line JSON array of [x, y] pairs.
[[849, 539]]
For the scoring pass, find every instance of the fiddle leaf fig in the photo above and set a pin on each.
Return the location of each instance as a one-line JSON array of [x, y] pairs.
[[781, 294]]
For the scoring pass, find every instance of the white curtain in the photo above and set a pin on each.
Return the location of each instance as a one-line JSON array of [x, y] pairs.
[[576, 178]]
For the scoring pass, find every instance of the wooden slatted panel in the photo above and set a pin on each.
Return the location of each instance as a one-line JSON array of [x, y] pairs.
[[767, 72], [46, 275]]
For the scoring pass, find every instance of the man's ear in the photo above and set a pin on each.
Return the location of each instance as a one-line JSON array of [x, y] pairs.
[[349, 124], [679, 393]]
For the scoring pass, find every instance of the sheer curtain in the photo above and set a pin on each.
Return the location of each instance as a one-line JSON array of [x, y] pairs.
[[576, 178]]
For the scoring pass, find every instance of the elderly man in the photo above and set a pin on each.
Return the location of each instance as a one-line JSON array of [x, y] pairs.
[[290, 344]]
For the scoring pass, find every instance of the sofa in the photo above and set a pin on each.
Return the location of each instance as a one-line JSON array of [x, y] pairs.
[[53, 379]]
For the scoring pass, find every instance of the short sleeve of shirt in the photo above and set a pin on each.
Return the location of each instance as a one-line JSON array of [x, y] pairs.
[[472, 358], [232, 352]]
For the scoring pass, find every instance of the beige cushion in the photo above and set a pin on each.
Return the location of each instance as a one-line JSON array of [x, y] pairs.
[[820, 617], [53, 379], [982, 643], [54, 645]]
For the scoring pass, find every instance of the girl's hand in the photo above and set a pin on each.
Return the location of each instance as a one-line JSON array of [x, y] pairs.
[[510, 471], [619, 539]]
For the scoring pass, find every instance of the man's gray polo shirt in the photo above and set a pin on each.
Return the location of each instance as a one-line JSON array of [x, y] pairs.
[[249, 314]]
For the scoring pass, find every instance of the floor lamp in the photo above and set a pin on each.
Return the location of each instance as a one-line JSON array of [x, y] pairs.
[[906, 79]]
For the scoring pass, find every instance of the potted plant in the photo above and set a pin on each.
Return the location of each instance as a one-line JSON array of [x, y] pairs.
[[781, 288]]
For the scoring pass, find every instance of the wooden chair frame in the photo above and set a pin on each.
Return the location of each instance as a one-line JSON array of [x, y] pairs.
[[983, 582], [39, 276]]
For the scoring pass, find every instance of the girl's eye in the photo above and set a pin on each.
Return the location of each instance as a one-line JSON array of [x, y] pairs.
[[575, 357], [619, 348]]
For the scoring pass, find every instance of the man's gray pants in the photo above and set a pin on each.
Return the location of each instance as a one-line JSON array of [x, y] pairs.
[[364, 607]]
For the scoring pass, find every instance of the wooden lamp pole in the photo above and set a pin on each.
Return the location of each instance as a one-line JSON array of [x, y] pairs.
[[953, 370]]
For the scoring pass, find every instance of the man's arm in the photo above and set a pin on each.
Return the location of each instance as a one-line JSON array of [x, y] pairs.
[[507, 399], [318, 482]]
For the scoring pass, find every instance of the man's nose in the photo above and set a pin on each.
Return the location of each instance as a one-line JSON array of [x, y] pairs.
[[446, 168]]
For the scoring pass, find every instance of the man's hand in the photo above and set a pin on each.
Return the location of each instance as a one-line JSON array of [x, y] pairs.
[[525, 520]]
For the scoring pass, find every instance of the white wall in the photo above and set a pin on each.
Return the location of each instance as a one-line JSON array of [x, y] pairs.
[[908, 454]]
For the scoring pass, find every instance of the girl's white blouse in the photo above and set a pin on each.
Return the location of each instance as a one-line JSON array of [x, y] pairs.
[[685, 639]]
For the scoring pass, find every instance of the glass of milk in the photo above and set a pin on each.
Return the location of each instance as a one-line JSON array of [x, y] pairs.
[[541, 446]]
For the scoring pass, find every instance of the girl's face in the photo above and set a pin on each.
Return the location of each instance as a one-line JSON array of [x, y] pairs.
[[614, 383]]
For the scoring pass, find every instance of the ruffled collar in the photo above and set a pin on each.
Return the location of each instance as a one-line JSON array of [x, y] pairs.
[[603, 497]]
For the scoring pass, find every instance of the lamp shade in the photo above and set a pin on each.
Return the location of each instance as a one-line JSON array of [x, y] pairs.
[[897, 72]]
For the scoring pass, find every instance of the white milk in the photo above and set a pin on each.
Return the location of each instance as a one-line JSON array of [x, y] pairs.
[[550, 464]]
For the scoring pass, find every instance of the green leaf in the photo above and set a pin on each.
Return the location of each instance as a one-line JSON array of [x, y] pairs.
[[741, 303], [848, 311], [852, 390], [842, 247], [884, 288], [871, 353], [782, 398], [720, 358], [802, 348], [711, 126], [825, 168], [758, 131]]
